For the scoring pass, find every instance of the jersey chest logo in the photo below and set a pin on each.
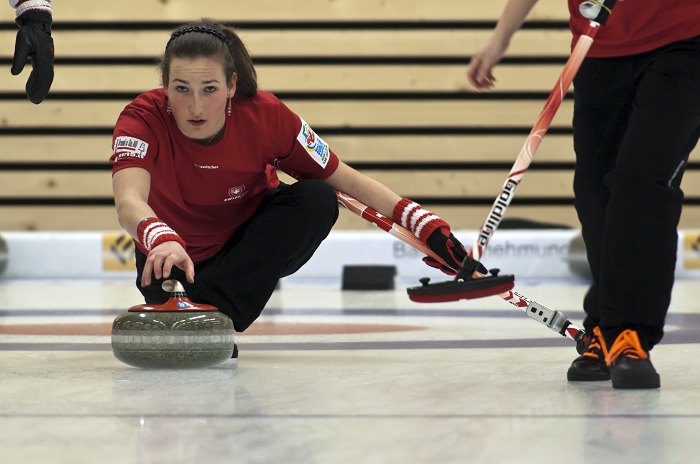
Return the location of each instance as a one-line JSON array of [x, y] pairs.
[[235, 193]]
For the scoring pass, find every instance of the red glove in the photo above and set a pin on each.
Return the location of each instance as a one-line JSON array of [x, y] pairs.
[[435, 233]]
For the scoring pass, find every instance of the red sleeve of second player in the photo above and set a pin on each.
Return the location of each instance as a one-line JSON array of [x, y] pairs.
[[134, 144], [302, 153]]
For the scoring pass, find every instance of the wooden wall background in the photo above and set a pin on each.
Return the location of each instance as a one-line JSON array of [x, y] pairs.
[[381, 80]]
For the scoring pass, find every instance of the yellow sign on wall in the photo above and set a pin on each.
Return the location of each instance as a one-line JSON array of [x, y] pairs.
[[691, 251], [118, 252]]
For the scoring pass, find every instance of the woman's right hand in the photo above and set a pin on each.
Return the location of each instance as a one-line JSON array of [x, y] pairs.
[[161, 260], [480, 71]]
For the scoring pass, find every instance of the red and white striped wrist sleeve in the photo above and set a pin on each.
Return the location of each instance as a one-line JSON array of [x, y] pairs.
[[151, 232], [413, 217], [22, 6]]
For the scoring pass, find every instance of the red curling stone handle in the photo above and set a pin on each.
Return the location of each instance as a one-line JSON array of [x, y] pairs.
[[177, 302]]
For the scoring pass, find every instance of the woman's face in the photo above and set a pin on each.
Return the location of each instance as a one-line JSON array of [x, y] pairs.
[[198, 93]]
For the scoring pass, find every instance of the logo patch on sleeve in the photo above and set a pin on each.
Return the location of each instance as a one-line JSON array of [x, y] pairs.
[[313, 144], [129, 147]]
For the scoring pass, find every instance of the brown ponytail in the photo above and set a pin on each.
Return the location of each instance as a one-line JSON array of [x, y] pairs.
[[209, 39], [247, 84]]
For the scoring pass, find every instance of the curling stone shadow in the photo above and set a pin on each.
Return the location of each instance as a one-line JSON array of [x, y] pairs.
[[189, 416], [175, 391], [174, 415]]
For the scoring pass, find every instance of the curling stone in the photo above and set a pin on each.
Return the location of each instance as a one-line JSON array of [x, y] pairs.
[[176, 335]]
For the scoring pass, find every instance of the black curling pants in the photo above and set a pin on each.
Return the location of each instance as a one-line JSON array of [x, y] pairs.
[[636, 120], [284, 233]]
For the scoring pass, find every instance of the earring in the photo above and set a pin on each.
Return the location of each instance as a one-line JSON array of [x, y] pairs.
[[169, 108], [228, 112]]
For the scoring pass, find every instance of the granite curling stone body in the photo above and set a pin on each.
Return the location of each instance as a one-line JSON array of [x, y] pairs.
[[176, 335]]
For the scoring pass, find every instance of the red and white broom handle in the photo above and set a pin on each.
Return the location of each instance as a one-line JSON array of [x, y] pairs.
[[387, 225], [522, 162]]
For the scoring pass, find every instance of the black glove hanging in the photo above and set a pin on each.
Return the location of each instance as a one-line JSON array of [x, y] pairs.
[[34, 42]]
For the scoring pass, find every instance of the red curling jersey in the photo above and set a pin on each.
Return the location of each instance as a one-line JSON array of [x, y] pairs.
[[206, 192], [638, 26]]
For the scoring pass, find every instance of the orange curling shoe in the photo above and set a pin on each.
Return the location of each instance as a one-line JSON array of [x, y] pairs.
[[629, 363], [591, 365]]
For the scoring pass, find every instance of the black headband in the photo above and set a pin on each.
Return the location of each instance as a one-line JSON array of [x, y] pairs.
[[203, 29]]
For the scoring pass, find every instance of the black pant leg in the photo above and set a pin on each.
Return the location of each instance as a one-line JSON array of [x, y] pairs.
[[282, 236], [603, 96], [639, 243]]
